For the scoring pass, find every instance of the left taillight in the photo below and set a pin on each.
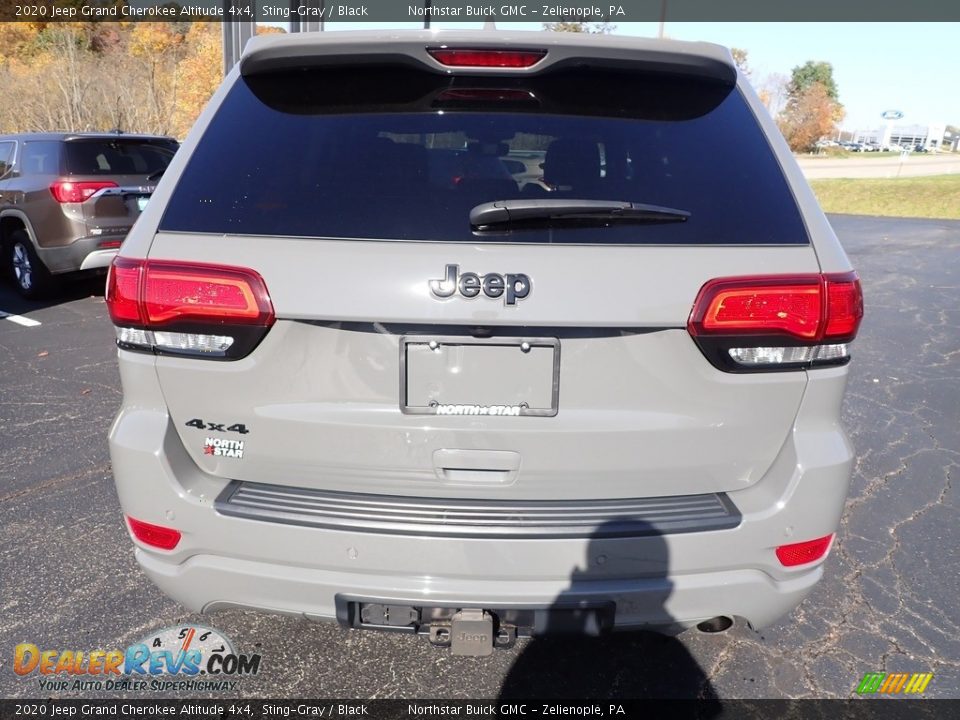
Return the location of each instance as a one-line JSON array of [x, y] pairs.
[[779, 322], [192, 309], [69, 191]]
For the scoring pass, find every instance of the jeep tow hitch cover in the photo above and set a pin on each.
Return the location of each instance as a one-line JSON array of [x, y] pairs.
[[471, 633]]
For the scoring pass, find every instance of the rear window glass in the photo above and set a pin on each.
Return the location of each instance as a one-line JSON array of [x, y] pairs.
[[118, 157], [396, 153]]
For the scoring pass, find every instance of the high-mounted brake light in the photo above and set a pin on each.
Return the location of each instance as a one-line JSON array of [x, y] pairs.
[[805, 552], [68, 191], [154, 535], [188, 308], [474, 57], [777, 321]]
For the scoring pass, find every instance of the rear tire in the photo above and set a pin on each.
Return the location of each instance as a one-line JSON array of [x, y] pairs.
[[30, 276]]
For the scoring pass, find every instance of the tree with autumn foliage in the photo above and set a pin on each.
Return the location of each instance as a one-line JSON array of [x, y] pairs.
[[813, 109], [809, 116], [149, 77]]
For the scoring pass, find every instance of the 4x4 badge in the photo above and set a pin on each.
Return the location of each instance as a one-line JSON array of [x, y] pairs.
[[512, 286]]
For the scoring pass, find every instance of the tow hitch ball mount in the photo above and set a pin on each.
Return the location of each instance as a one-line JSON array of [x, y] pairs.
[[470, 632]]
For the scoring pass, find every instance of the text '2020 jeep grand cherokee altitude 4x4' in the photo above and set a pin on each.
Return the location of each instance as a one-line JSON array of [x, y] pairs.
[[68, 200], [368, 378]]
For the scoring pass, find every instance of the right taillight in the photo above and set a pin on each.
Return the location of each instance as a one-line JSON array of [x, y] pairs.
[[777, 322], [191, 309]]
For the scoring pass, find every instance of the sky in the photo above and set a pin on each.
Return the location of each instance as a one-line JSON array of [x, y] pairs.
[[910, 67]]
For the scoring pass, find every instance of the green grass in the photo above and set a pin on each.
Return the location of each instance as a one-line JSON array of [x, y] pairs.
[[936, 196]]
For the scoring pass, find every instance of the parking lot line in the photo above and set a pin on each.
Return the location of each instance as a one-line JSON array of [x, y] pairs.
[[19, 319]]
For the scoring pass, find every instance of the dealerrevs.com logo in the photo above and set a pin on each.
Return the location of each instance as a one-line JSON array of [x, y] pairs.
[[181, 658]]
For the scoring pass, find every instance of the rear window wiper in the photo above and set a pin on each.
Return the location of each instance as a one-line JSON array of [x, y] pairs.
[[538, 214]]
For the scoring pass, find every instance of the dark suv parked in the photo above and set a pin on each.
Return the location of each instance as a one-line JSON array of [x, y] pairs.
[[67, 201]]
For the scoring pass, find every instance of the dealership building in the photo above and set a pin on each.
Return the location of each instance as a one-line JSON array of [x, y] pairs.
[[929, 136]]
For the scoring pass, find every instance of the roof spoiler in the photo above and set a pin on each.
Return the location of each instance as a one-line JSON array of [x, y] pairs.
[[267, 54]]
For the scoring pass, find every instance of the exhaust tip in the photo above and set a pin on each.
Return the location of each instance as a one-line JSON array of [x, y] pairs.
[[715, 625]]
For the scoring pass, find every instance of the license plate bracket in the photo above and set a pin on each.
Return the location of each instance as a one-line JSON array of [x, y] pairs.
[[499, 376]]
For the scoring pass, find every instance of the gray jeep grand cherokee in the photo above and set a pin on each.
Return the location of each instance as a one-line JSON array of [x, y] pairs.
[[67, 200], [368, 378]]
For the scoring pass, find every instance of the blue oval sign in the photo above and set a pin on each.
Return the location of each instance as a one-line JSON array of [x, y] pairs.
[[892, 115]]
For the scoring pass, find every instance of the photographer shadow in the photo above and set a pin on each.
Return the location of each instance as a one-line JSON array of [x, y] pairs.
[[573, 655]]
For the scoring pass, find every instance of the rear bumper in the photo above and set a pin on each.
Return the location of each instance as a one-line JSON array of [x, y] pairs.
[[660, 579], [672, 602], [82, 254]]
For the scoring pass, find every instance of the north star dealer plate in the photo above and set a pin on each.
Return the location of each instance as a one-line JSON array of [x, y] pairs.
[[503, 377]]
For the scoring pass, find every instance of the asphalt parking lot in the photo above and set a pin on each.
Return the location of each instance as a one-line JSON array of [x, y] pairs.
[[890, 600]]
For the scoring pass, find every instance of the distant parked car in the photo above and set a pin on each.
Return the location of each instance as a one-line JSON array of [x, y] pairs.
[[67, 200], [920, 148]]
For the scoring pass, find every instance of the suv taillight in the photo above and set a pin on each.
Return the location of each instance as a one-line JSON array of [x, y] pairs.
[[68, 191], [195, 309], [777, 322]]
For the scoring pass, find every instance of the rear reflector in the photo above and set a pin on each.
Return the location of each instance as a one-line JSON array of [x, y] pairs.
[[154, 535], [470, 57], [804, 552], [188, 308], [67, 191]]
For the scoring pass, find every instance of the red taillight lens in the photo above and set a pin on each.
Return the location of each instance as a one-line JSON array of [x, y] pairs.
[[67, 191], [807, 307], [844, 305], [154, 535], [760, 307], [155, 293], [206, 293], [804, 552], [465, 57], [123, 291]]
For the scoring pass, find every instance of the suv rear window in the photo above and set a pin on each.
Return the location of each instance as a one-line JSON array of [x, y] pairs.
[[403, 154], [118, 156]]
